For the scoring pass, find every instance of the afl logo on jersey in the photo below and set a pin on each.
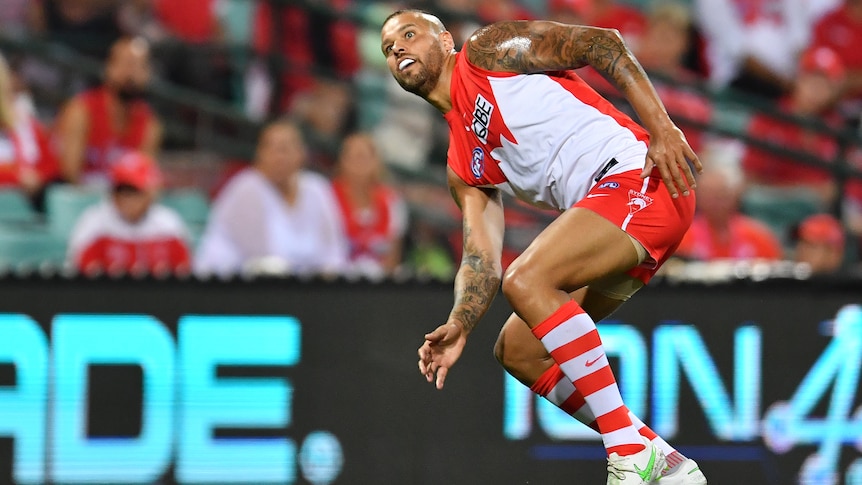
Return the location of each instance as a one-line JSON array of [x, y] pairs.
[[477, 165], [609, 185]]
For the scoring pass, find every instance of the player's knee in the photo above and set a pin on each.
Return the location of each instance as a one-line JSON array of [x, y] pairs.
[[518, 283]]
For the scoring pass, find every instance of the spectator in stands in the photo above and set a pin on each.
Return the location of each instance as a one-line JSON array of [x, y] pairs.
[[18, 17], [609, 14], [663, 47], [490, 11], [98, 125], [375, 217], [852, 203], [130, 233], [820, 243], [719, 230], [841, 30], [814, 93], [26, 159], [87, 26], [193, 54], [297, 41], [753, 46], [136, 18], [275, 216]]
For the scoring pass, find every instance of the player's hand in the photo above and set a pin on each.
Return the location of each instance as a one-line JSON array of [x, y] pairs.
[[670, 153], [441, 350]]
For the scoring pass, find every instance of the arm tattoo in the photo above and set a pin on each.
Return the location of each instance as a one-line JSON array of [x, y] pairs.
[[476, 284], [529, 47]]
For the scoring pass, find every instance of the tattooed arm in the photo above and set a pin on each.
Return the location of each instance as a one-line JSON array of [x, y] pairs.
[[476, 283], [542, 46], [478, 278]]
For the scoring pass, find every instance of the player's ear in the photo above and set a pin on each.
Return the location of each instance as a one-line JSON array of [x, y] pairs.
[[447, 40]]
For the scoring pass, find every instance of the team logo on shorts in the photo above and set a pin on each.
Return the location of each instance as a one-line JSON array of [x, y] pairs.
[[477, 165], [609, 185], [638, 201]]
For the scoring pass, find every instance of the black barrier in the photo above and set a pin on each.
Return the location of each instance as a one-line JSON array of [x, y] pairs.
[[315, 382]]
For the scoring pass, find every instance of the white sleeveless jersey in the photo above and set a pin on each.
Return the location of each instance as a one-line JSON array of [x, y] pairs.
[[544, 138]]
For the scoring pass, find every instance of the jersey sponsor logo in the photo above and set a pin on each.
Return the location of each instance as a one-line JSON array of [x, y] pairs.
[[638, 201], [609, 185], [482, 110], [477, 164]]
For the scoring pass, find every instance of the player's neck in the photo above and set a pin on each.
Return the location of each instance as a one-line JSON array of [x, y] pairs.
[[441, 97]]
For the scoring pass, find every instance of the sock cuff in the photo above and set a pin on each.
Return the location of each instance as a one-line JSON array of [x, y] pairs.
[[565, 312], [547, 381]]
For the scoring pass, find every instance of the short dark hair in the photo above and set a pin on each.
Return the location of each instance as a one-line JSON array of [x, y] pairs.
[[408, 10]]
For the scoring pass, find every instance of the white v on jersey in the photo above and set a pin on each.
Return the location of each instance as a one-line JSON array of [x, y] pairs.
[[544, 138]]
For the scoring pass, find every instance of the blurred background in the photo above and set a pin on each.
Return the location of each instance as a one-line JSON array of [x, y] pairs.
[[170, 158]]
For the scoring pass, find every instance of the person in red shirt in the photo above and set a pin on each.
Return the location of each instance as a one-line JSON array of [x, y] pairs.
[[841, 31], [26, 159], [820, 244], [375, 217], [303, 40], [196, 57], [97, 126], [719, 230], [130, 233], [814, 94]]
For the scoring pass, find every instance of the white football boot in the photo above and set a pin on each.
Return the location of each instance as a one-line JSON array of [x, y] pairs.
[[642, 468]]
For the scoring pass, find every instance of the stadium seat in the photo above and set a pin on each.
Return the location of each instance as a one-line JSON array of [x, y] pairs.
[[191, 204], [15, 208], [64, 204], [30, 247], [780, 210]]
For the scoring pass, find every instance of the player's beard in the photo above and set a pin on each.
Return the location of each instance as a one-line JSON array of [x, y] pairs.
[[422, 82]]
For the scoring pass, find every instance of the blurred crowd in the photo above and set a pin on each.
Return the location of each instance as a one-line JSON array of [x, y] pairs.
[[330, 188]]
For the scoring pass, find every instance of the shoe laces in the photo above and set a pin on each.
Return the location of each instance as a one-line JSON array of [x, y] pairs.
[[618, 470]]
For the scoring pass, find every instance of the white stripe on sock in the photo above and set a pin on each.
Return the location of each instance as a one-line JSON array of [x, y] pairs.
[[571, 329]]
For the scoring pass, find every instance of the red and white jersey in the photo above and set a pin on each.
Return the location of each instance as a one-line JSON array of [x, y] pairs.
[[544, 138], [102, 241]]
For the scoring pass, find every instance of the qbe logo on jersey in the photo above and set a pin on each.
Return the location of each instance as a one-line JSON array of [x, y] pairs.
[[482, 110]]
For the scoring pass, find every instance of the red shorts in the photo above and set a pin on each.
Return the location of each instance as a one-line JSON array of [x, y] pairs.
[[644, 209]]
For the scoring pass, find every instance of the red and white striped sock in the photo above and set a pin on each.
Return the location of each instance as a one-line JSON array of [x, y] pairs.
[[554, 386], [571, 337]]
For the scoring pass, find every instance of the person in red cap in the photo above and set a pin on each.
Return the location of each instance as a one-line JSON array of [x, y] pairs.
[[820, 243], [814, 94], [130, 233], [841, 30]]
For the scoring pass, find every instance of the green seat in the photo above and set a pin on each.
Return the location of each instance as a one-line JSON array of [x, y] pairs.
[[193, 207], [780, 209], [64, 204], [30, 247], [15, 208], [191, 204]]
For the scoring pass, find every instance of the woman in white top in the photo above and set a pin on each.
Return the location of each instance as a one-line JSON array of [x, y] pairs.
[[275, 217]]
